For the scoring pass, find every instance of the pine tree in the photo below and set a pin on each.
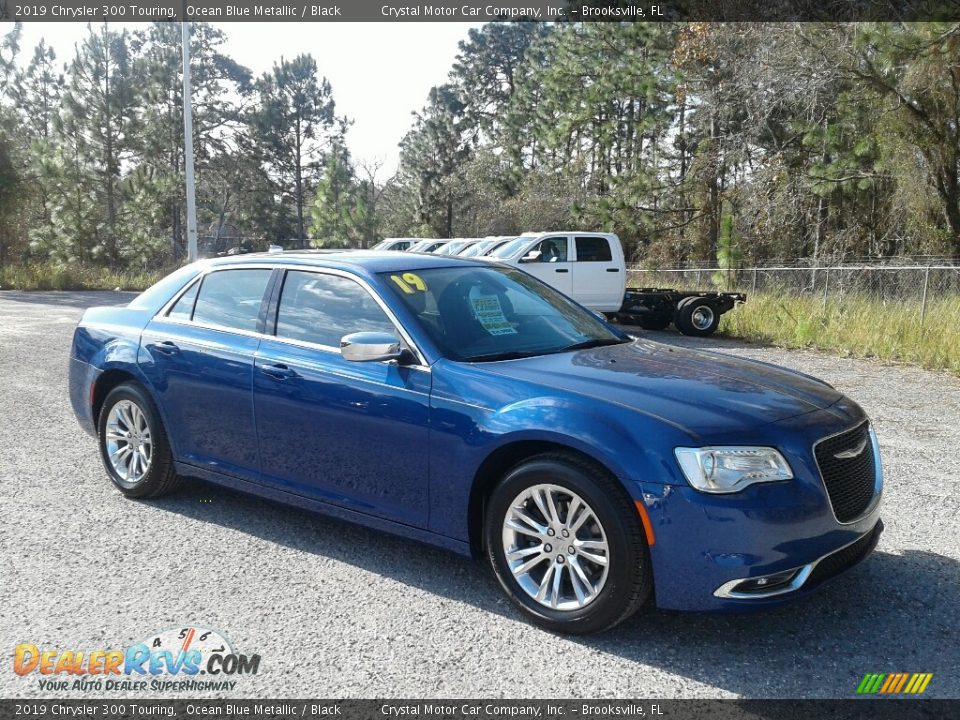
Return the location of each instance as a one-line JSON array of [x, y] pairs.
[[296, 123]]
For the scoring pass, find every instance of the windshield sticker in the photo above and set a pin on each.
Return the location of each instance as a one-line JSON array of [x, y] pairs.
[[490, 314], [410, 283]]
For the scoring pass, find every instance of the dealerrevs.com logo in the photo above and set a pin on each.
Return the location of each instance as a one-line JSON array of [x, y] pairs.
[[182, 659]]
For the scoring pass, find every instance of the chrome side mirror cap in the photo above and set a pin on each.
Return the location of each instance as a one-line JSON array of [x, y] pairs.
[[370, 347]]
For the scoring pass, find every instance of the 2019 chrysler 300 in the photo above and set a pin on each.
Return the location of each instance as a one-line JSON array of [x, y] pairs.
[[469, 405]]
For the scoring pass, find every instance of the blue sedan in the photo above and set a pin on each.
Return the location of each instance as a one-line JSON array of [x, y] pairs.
[[471, 406]]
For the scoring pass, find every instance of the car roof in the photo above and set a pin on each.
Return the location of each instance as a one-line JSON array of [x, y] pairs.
[[359, 261]]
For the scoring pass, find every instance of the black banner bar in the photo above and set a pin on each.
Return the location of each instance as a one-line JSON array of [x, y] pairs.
[[482, 11], [115, 709]]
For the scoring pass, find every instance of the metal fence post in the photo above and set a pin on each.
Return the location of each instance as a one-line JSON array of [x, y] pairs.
[[753, 290], [923, 302], [826, 287]]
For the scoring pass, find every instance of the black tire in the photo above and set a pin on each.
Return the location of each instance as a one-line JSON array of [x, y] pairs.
[[654, 322], [696, 316], [628, 583], [160, 477]]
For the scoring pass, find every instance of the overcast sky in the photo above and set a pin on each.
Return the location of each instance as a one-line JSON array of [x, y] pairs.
[[380, 72]]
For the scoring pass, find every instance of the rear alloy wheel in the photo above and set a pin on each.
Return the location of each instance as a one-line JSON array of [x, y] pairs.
[[567, 545], [133, 443], [696, 316]]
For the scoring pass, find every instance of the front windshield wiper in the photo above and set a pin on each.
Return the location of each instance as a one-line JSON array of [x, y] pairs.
[[587, 344], [509, 355]]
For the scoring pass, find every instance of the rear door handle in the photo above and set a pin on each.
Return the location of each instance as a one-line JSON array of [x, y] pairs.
[[613, 269], [167, 347], [278, 371], [562, 270]]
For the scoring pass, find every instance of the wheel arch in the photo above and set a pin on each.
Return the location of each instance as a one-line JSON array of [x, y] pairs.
[[105, 383], [496, 465]]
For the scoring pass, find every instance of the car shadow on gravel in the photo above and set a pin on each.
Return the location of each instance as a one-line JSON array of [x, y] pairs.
[[80, 300], [893, 613]]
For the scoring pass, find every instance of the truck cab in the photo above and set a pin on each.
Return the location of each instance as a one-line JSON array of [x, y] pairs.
[[586, 266]]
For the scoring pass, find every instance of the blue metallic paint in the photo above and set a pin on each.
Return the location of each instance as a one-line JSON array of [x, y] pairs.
[[399, 448]]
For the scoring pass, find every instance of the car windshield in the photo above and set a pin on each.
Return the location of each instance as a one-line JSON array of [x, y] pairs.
[[452, 247], [510, 248], [476, 249], [423, 246], [477, 314]]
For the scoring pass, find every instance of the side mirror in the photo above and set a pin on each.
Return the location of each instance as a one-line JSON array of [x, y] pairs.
[[532, 256], [370, 347]]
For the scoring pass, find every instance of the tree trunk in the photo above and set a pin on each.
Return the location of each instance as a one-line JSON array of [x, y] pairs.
[[713, 211]]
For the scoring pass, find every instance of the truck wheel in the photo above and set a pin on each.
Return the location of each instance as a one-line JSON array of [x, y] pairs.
[[696, 316]]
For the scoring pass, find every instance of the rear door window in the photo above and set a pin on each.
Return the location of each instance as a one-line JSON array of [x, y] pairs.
[[593, 249], [231, 298]]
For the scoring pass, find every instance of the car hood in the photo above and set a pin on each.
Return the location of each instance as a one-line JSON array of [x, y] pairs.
[[702, 392]]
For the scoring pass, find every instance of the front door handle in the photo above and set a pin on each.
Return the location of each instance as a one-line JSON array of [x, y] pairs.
[[167, 347], [278, 371], [562, 270]]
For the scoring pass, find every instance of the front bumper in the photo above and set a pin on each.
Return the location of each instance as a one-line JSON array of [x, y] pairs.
[[706, 546], [805, 577]]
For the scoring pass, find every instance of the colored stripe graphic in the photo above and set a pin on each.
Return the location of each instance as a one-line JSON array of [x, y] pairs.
[[894, 683]]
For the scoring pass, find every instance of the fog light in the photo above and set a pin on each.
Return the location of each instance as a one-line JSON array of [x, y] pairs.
[[767, 583]]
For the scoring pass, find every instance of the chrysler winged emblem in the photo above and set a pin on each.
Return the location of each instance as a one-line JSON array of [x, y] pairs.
[[852, 452]]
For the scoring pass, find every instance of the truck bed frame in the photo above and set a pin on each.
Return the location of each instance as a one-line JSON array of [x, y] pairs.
[[692, 313]]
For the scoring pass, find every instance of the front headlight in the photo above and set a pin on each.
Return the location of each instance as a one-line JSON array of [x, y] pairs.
[[729, 469]]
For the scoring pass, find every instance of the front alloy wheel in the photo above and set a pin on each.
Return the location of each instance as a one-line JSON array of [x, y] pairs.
[[556, 547], [566, 543]]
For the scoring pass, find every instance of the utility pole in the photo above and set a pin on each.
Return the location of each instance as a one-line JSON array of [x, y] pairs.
[[188, 147]]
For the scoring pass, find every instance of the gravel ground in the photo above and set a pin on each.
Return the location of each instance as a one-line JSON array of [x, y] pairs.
[[340, 611]]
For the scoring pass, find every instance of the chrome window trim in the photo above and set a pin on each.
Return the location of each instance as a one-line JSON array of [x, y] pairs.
[[878, 471], [163, 315]]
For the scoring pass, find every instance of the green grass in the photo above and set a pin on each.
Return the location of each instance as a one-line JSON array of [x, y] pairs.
[[50, 276], [854, 326]]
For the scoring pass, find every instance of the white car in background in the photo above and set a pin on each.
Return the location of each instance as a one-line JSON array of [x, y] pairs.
[[486, 246], [455, 246], [427, 246], [399, 244]]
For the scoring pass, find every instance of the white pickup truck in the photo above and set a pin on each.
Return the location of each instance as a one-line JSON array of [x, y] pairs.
[[586, 266], [590, 268]]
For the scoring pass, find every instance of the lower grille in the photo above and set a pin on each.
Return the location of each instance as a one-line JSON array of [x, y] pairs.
[[846, 558], [848, 470]]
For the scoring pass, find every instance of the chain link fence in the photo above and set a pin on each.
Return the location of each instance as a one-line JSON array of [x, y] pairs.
[[907, 283]]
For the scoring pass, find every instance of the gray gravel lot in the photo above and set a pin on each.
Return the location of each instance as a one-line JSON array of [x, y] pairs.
[[340, 611]]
